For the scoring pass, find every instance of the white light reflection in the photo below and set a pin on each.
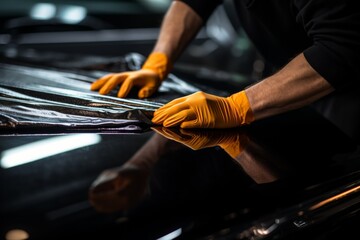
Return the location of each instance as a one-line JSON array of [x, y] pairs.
[[72, 14], [171, 235], [43, 11], [66, 13], [157, 5], [265, 231], [45, 148]]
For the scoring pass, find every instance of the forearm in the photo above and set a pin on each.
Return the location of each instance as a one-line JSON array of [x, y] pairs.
[[295, 86], [155, 148], [147, 156], [179, 26]]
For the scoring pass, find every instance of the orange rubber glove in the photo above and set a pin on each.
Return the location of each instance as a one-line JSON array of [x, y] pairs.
[[148, 78], [202, 110]]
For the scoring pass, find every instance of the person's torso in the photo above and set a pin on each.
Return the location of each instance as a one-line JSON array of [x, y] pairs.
[[272, 27]]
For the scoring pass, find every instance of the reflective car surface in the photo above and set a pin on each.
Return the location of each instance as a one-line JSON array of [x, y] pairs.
[[259, 182], [76, 164]]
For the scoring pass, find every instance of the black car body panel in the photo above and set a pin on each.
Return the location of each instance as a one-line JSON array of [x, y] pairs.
[[103, 171]]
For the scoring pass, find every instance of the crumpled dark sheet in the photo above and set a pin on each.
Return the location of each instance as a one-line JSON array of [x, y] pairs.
[[35, 98], [43, 100]]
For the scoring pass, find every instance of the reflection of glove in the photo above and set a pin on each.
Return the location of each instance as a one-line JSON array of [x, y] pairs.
[[118, 188], [233, 142], [202, 110], [149, 78]]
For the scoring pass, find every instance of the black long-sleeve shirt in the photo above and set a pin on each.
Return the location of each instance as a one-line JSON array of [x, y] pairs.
[[326, 31]]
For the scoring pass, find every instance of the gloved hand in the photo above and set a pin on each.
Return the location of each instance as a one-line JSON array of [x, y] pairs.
[[148, 78], [233, 142], [202, 110]]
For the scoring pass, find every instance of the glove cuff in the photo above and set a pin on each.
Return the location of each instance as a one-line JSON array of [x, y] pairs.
[[159, 63], [242, 105]]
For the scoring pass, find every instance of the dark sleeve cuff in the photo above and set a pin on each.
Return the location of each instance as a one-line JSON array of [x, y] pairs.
[[327, 64], [204, 8]]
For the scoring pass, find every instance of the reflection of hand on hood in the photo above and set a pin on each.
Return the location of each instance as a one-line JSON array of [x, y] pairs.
[[118, 188], [123, 187], [256, 161], [232, 141]]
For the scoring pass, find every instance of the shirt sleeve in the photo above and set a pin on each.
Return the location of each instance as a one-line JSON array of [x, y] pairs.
[[334, 28], [203, 8]]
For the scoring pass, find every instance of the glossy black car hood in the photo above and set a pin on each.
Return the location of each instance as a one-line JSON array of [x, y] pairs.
[[119, 177]]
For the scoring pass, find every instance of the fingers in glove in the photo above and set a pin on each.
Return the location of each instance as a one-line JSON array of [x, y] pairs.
[[100, 82], [179, 118], [112, 83], [191, 124], [126, 87], [147, 91], [162, 115], [170, 104]]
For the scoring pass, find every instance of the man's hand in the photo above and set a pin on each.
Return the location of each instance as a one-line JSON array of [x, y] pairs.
[[148, 78], [202, 110]]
